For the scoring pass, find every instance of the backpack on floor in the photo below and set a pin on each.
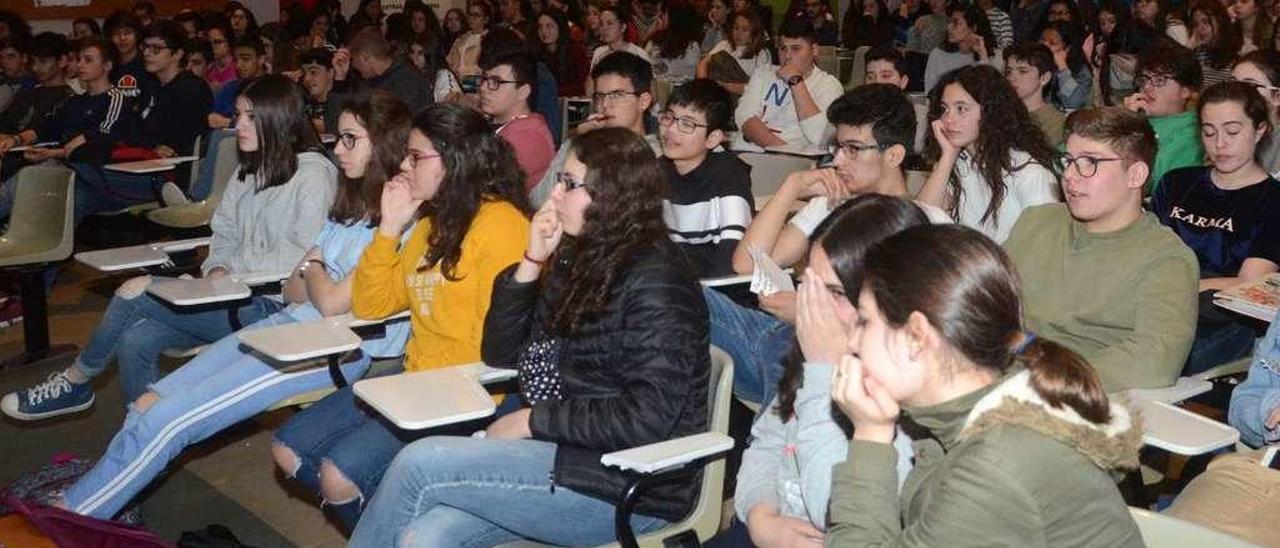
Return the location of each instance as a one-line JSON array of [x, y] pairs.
[[71, 530]]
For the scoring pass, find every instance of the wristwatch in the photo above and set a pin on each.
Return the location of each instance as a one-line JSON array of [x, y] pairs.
[[793, 80]]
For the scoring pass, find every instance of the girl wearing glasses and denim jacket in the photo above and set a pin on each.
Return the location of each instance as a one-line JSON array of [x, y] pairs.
[[460, 198], [226, 384]]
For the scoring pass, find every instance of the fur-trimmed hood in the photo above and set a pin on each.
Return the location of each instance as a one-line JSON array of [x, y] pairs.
[[1110, 446]]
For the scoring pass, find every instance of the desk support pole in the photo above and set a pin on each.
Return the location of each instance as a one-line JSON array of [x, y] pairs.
[[335, 371]]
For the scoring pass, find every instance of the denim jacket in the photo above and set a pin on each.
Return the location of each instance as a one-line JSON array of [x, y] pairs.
[[1254, 399]]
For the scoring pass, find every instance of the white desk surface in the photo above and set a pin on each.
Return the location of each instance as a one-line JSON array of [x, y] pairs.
[[123, 258], [659, 456], [196, 291], [301, 341], [151, 166], [24, 148], [426, 399], [799, 150], [1255, 312], [1180, 431], [1185, 389], [137, 256]]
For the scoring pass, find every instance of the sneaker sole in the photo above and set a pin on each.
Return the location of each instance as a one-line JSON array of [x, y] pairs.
[[19, 415]]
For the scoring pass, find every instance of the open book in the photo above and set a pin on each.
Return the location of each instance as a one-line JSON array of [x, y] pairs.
[[1258, 299]]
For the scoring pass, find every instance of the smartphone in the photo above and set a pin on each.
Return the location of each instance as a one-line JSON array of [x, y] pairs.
[[470, 84], [827, 160], [1271, 458]]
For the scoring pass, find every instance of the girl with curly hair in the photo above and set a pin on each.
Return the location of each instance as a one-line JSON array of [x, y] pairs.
[[969, 41], [991, 159], [460, 197], [605, 322]]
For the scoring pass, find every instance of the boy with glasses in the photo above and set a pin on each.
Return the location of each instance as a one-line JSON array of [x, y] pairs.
[[1099, 275], [709, 205], [506, 95], [875, 125], [1167, 78], [785, 105], [620, 98], [1029, 68]]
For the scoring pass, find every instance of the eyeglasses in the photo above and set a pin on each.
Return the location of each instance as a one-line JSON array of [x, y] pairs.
[[685, 125], [348, 139], [154, 48], [613, 96], [415, 157], [492, 83], [1086, 166], [569, 182], [852, 148], [1154, 80]]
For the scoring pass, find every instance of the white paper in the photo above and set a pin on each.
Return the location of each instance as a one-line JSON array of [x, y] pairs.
[[767, 278]]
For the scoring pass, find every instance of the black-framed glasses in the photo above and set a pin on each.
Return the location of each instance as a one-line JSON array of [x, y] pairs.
[[852, 148], [348, 139], [613, 96], [1154, 80], [569, 182], [154, 48], [1086, 166], [492, 83], [415, 157], [685, 125]]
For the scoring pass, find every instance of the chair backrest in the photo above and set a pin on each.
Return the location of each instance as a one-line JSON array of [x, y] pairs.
[[705, 517], [197, 214], [769, 170], [827, 60], [916, 180], [1161, 531], [42, 225], [661, 92], [857, 69]]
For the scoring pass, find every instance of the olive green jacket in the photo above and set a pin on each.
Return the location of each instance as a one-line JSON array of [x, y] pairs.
[[1002, 468]]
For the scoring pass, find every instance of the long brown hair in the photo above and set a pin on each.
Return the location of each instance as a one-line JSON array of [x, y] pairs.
[[845, 235], [966, 286], [386, 120], [478, 167], [284, 131], [627, 186]]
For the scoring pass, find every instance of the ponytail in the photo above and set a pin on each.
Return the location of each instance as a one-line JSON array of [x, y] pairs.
[[1062, 377]]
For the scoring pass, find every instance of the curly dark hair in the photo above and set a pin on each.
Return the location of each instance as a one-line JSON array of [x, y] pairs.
[[386, 119], [846, 235], [627, 186], [1226, 35], [478, 167], [1005, 126]]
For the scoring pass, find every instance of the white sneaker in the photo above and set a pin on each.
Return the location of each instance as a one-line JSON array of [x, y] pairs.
[[171, 195]]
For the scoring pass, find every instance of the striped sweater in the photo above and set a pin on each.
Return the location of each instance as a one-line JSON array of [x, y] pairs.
[[708, 210]]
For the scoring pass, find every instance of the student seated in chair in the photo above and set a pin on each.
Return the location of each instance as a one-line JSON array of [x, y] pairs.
[[1228, 214], [709, 204], [226, 383], [886, 65], [87, 126], [180, 104], [1020, 440], [621, 98], [785, 478], [875, 125], [1029, 69], [609, 334], [270, 215], [461, 200], [1099, 275], [1255, 403], [50, 54], [1166, 78], [507, 86], [785, 105]]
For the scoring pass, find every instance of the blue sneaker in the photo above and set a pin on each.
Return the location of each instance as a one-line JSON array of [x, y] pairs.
[[57, 395]]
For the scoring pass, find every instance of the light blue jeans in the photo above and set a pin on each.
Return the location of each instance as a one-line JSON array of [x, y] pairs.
[[1254, 400], [136, 331], [224, 385], [466, 492], [757, 341]]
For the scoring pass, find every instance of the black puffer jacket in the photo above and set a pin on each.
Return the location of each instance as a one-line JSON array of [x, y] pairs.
[[635, 375]]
